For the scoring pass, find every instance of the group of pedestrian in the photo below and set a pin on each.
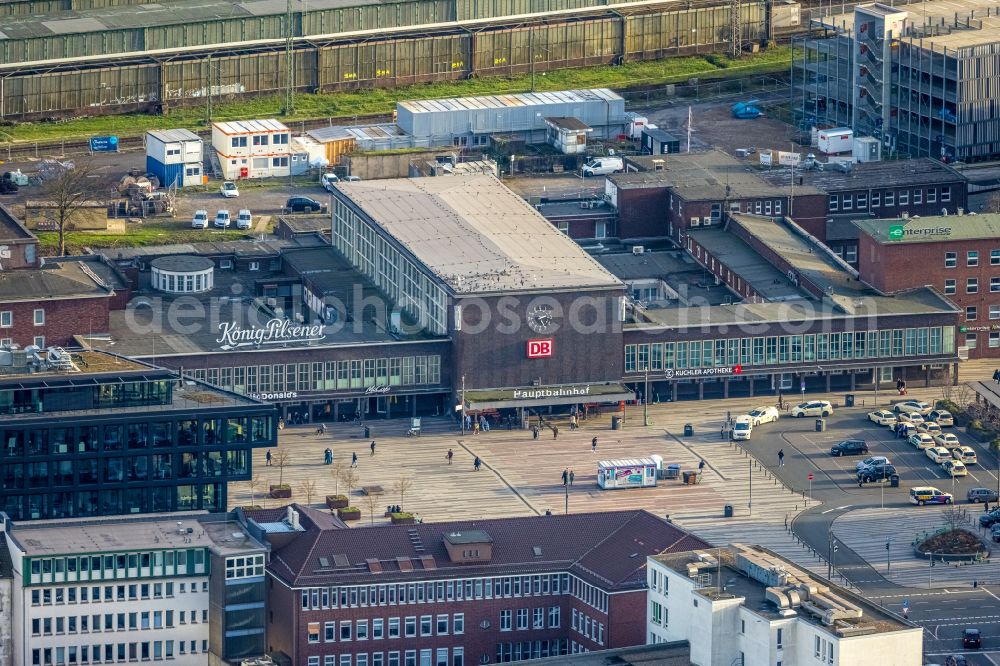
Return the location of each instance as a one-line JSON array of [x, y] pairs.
[[901, 386], [900, 429], [567, 477], [480, 424], [476, 464]]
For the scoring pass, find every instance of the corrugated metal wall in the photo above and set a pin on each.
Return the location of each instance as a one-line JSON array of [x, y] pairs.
[[50, 8], [374, 64]]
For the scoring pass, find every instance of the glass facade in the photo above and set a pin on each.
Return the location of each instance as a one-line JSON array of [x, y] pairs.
[[74, 398], [790, 349], [62, 468], [371, 254]]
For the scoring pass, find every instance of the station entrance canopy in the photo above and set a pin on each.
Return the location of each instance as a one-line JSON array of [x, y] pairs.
[[544, 396]]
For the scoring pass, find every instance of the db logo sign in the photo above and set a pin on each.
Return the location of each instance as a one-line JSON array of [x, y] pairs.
[[539, 348]]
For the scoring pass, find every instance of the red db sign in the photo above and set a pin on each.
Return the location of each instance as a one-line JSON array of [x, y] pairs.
[[539, 348]]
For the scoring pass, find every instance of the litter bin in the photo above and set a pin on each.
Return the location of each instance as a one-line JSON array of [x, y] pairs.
[[368, 432], [849, 400], [616, 423], [688, 430], [820, 425], [894, 480], [728, 511]]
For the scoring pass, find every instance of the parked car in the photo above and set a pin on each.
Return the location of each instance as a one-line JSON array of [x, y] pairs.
[[921, 440], [602, 166], [911, 417], [995, 533], [954, 468], [814, 408], [956, 660], [913, 406], [743, 427], [942, 417], [975, 495], [849, 447], [763, 415], [200, 220], [929, 427], [327, 180], [989, 519], [938, 454], [947, 440], [229, 189], [222, 219], [304, 205], [872, 460], [972, 639], [352, 179], [966, 454], [929, 495], [876, 473], [244, 220], [882, 417]]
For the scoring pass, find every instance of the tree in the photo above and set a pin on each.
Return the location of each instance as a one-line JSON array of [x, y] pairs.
[[350, 478], [69, 191], [402, 485], [282, 458], [337, 471], [955, 516], [254, 484], [308, 489], [373, 499]]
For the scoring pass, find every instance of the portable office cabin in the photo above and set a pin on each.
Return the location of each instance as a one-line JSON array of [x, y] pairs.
[[175, 157], [626, 473], [468, 121], [252, 148], [658, 142]]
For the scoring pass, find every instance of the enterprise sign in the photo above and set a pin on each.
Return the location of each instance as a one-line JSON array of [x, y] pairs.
[[900, 232], [276, 331]]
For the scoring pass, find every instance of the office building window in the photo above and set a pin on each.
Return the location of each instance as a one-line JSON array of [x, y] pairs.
[[950, 259], [972, 285], [972, 258], [950, 286]]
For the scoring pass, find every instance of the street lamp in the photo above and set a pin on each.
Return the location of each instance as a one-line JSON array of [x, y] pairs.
[[888, 562], [831, 553], [645, 399], [750, 479]]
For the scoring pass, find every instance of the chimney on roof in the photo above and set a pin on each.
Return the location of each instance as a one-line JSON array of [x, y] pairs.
[[293, 518]]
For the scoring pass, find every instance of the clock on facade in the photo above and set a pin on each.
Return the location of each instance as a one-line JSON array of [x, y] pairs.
[[540, 318]]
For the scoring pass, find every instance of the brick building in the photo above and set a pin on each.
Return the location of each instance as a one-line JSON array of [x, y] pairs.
[[460, 593], [957, 255]]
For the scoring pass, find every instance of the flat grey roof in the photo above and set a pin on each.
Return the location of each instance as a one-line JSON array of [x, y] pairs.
[[675, 268], [183, 263], [508, 101], [476, 235], [57, 279], [712, 174], [933, 229], [174, 135], [249, 248], [867, 175], [743, 260], [77, 536]]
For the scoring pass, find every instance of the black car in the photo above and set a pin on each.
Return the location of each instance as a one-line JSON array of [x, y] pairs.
[[880, 472], [304, 205], [972, 639], [849, 447], [990, 519]]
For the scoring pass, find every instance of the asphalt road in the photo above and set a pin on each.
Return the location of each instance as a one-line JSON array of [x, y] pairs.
[[942, 613]]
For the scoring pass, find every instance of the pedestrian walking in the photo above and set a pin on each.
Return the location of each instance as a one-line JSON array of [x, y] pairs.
[[986, 506], [267, 457], [372, 447], [486, 425], [572, 422], [555, 431], [781, 457], [996, 375], [468, 422], [701, 466], [475, 428], [328, 457], [571, 477], [451, 454], [593, 445], [354, 459], [477, 463], [534, 432], [565, 476], [510, 423]]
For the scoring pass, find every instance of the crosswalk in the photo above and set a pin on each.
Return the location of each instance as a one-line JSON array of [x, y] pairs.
[[866, 532]]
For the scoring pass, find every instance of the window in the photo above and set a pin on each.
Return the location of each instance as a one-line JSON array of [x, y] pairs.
[[876, 199], [834, 202], [656, 613], [538, 618], [279, 161], [505, 616], [345, 630], [361, 631], [393, 627], [904, 197], [970, 313], [312, 630], [995, 284], [563, 227], [994, 257], [39, 317], [950, 259], [522, 618], [848, 202], [972, 285], [994, 339], [970, 340], [458, 623], [862, 201], [890, 199], [918, 196], [260, 140], [411, 626], [39, 341], [931, 195], [779, 637], [6, 319], [972, 258], [995, 312], [950, 286], [425, 625], [378, 627], [945, 194], [554, 618]]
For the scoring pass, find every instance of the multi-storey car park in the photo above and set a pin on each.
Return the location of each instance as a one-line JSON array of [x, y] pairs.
[[918, 79], [153, 56]]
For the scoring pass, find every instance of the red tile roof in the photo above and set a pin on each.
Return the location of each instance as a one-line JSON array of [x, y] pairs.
[[608, 549]]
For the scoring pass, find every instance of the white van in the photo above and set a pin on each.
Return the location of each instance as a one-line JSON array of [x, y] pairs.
[[743, 428], [602, 166]]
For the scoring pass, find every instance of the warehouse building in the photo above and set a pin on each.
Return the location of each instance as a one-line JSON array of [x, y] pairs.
[[175, 157], [918, 80]]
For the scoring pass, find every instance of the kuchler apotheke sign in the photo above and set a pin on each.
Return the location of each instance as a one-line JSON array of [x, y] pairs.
[[688, 373], [274, 332]]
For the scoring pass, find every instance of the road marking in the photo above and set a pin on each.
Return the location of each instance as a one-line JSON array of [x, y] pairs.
[[989, 593]]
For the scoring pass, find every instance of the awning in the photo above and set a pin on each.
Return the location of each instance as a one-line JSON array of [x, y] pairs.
[[543, 396]]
